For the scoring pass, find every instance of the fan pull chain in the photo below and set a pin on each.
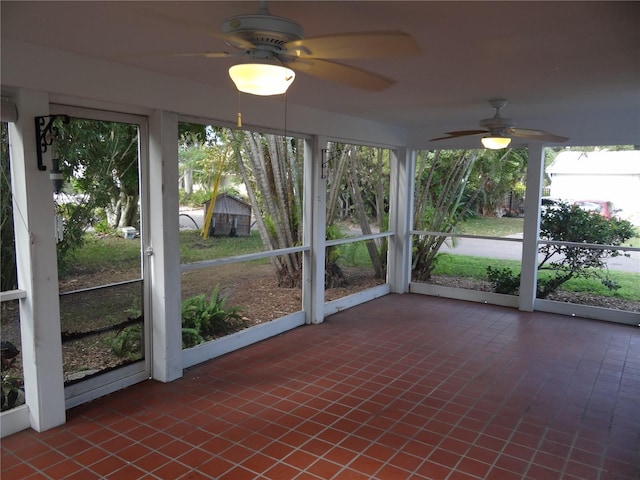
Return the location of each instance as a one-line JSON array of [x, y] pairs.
[[239, 113], [286, 104]]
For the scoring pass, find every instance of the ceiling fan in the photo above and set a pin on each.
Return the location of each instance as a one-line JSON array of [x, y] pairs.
[[278, 42], [498, 131]]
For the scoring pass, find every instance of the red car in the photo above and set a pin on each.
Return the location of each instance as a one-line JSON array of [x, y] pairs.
[[604, 208]]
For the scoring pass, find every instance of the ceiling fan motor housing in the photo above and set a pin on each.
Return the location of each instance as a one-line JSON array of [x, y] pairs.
[[497, 123], [267, 32]]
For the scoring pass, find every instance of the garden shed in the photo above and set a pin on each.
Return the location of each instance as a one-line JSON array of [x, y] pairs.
[[231, 216]]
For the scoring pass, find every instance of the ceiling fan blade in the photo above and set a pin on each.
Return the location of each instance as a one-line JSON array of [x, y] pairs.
[[344, 74], [460, 133], [176, 54], [353, 45], [206, 54], [464, 133], [232, 40], [535, 135]]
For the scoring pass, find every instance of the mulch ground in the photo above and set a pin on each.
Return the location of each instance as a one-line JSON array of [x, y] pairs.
[[254, 288]]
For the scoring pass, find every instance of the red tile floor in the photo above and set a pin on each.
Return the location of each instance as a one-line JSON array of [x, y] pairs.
[[405, 386]]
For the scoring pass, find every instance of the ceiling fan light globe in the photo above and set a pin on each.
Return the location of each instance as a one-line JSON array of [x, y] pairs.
[[261, 79], [495, 142]]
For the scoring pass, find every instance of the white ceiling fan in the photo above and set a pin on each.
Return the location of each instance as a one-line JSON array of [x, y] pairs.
[[498, 131], [280, 44]]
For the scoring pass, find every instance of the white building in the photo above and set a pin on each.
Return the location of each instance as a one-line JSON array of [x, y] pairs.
[[602, 175]]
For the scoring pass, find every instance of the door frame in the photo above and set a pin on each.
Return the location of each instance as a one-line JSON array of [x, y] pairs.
[[111, 381]]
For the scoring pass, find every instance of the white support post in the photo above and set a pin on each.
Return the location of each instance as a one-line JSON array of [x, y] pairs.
[[315, 219], [307, 222], [531, 232], [34, 214], [163, 241], [400, 213]]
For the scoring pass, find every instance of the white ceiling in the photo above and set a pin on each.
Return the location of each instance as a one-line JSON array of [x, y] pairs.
[[571, 68]]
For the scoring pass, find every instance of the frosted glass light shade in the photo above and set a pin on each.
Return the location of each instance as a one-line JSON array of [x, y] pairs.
[[261, 79], [495, 143]]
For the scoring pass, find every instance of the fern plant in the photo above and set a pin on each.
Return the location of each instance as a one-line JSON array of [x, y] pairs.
[[204, 319], [127, 343], [11, 379]]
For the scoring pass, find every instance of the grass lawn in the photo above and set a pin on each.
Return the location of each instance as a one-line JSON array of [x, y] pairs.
[[476, 267], [103, 253], [194, 248], [115, 252], [491, 226], [635, 241]]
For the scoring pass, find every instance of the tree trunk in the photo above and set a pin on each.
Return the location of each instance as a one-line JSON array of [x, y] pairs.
[[114, 212], [188, 181], [129, 212], [381, 244], [268, 178], [447, 211], [333, 199], [363, 220]]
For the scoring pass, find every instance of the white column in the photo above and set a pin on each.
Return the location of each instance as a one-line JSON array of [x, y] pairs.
[[162, 225], [34, 213], [307, 216], [315, 219], [531, 232], [400, 220]]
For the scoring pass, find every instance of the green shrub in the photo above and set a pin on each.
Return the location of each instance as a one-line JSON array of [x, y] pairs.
[[334, 252], [127, 343], [12, 382], [561, 263], [194, 199], [333, 275], [570, 223], [204, 319], [503, 280], [191, 337], [103, 227]]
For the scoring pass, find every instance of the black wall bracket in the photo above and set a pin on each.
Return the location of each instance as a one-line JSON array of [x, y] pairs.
[[46, 133], [326, 158]]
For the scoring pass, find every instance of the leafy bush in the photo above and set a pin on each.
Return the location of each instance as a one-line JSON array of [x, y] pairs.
[[12, 382], [75, 218], [503, 280], [8, 275], [194, 199], [570, 223], [204, 319], [333, 275], [191, 337], [11, 387], [127, 343], [101, 223]]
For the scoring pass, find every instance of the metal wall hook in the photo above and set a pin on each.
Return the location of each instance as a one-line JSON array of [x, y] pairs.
[[326, 158], [46, 133]]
